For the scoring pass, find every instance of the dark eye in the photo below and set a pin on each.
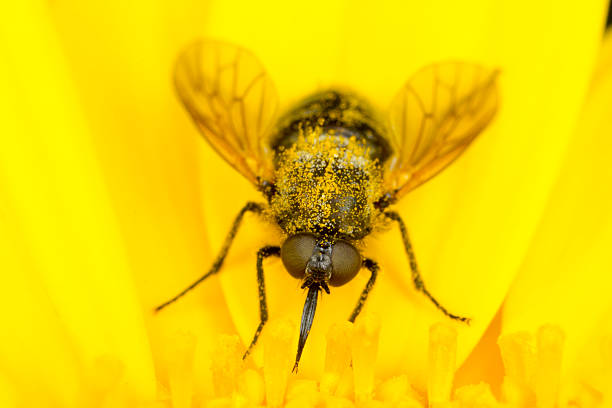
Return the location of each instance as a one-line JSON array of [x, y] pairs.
[[346, 262], [295, 253]]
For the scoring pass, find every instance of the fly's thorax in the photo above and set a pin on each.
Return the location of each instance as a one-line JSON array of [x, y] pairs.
[[342, 112], [326, 184]]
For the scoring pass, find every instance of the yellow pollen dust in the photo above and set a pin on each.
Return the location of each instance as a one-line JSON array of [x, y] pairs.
[[326, 182], [532, 372]]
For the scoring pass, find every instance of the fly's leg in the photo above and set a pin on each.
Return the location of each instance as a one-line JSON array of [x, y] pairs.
[[216, 266], [372, 266], [416, 276], [262, 254]]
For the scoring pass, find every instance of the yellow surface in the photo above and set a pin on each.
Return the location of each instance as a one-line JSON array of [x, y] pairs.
[[110, 202]]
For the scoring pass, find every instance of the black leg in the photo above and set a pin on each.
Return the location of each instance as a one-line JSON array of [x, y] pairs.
[[262, 254], [372, 266], [216, 266], [416, 276]]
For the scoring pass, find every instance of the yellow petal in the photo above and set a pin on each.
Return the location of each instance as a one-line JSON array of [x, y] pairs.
[[59, 220], [120, 57], [471, 225], [565, 278]]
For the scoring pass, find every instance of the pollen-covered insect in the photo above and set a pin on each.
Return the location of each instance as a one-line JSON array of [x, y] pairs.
[[329, 168]]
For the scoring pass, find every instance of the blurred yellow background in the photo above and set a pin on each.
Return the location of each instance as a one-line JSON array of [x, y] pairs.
[[110, 202]]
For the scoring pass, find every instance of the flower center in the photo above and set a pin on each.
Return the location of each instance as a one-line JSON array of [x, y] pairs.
[[532, 372]]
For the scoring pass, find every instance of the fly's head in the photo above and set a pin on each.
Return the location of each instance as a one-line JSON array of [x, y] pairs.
[[319, 263]]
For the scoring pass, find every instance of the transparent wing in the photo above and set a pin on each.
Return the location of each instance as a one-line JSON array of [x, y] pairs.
[[231, 100], [434, 118]]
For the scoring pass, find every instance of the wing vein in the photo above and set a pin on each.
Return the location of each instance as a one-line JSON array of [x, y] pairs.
[[429, 138]]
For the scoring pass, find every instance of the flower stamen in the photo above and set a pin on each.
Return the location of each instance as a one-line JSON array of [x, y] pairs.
[[180, 353], [226, 364], [338, 375], [550, 341], [278, 352], [364, 350], [442, 360]]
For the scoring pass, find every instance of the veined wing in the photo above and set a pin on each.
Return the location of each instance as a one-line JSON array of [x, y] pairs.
[[434, 118], [232, 101]]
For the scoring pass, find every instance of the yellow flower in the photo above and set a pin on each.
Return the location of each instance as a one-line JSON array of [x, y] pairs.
[[110, 203]]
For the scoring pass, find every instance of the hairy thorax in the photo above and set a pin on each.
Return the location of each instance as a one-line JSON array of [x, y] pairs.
[[327, 181]]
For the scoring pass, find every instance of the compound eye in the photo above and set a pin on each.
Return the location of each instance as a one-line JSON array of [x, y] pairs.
[[296, 252], [346, 262]]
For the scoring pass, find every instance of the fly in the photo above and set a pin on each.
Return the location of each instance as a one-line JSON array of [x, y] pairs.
[[330, 168]]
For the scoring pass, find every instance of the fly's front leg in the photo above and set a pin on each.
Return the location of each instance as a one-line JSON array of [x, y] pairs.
[[416, 276], [372, 266], [262, 254], [216, 266]]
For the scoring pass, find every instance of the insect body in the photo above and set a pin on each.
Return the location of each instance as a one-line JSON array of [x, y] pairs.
[[330, 168], [327, 171]]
